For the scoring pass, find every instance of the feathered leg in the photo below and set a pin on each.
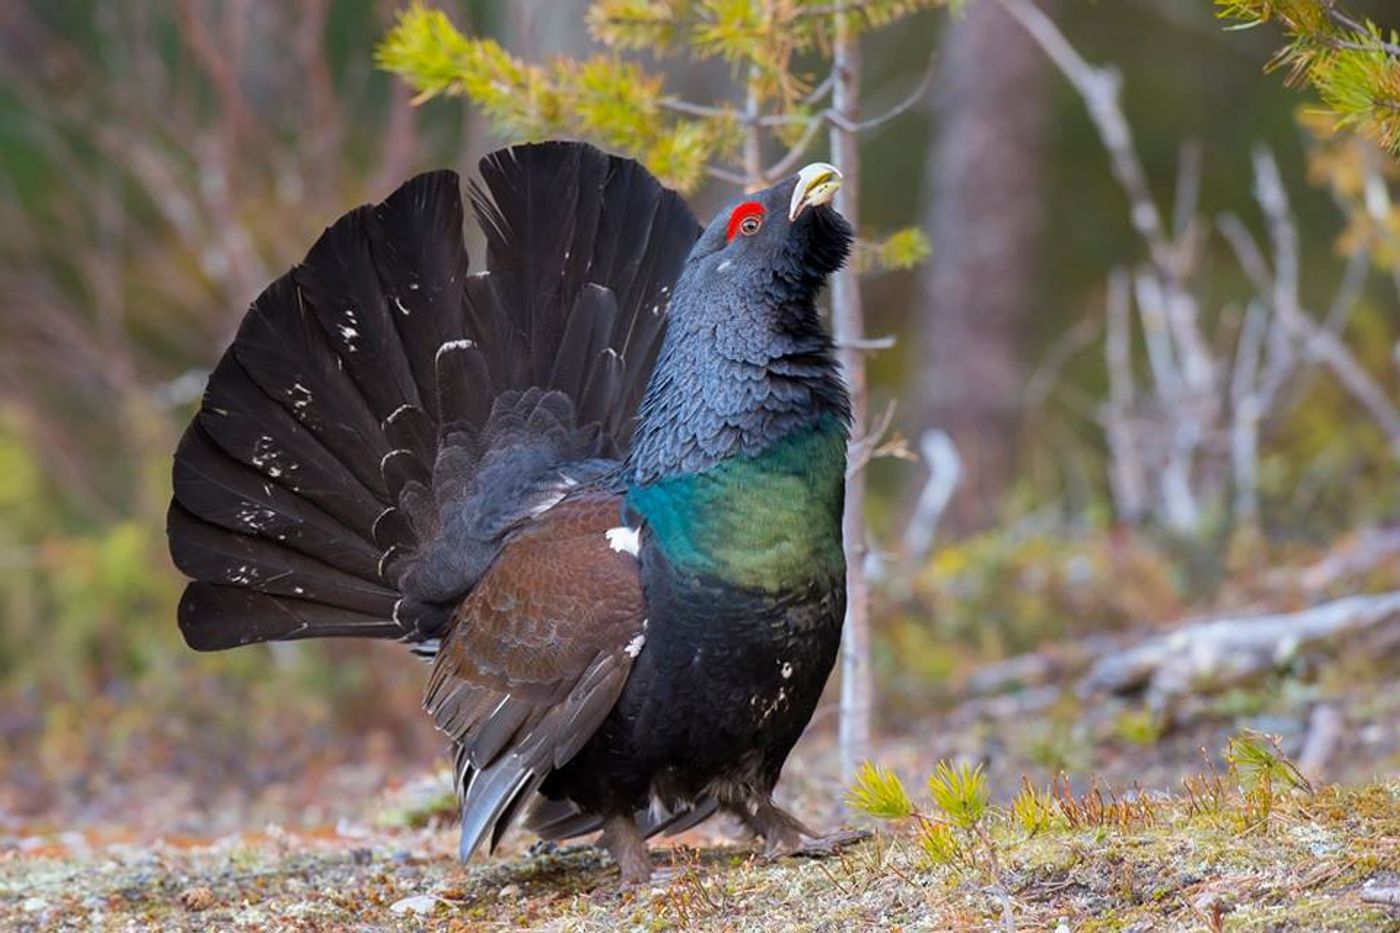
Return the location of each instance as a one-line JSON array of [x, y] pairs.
[[624, 840]]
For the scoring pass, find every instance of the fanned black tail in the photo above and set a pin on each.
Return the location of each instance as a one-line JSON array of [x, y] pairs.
[[383, 417]]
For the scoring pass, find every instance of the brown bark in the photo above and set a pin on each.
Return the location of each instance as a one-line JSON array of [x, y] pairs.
[[984, 215]]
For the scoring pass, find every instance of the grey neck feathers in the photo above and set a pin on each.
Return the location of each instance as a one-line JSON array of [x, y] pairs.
[[739, 368]]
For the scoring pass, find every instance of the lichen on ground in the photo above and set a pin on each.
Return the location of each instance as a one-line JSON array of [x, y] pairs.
[[1183, 867]]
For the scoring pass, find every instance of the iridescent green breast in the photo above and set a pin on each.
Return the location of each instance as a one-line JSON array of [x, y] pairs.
[[765, 522]]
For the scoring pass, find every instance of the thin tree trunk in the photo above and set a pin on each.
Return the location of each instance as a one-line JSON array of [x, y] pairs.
[[857, 681], [984, 216]]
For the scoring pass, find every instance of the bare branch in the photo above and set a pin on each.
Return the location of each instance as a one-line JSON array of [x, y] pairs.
[[1370, 44], [1188, 190], [1061, 351], [899, 109], [1247, 252], [1128, 481], [832, 116], [1294, 325], [863, 448], [704, 111], [799, 150], [1283, 235], [1100, 89], [1349, 291], [868, 344], [753, 135], [944, 474], [1161, 353], [823, 89], [1245, 414]]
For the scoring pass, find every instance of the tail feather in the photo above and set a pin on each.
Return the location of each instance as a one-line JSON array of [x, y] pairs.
[[422, 266], [368, 438], [214, 617], [252, 429], [586, 329], [561, 820], [284, 350], [558, 217], [340, 284], [231, 497], [249, 561]]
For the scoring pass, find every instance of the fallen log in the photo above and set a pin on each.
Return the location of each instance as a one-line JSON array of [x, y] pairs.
[[1223, 652]]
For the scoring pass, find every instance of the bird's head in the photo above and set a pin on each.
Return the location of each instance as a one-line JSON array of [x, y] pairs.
[[745, 359], [787, 236]]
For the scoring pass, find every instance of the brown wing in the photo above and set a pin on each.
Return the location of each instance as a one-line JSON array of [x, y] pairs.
[[536, 657]]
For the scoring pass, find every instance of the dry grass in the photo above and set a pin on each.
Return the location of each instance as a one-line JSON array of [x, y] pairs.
[[1187, 867]]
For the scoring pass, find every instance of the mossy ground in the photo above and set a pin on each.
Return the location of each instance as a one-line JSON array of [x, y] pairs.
[[1181, 868]]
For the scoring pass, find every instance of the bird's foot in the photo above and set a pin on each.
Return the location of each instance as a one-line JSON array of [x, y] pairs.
[[786, 836]]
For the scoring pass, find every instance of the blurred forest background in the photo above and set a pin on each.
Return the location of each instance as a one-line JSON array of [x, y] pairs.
[[1135, 433]]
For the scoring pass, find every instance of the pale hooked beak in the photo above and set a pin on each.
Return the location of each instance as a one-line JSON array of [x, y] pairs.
[[816, 184]]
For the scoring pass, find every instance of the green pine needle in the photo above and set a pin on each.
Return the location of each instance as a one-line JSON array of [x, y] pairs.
[[960, 792], [1351, 62], [939, 843], [1033, 810], [878, 792]]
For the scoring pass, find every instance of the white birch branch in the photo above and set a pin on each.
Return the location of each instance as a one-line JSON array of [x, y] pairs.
[[944, 474]]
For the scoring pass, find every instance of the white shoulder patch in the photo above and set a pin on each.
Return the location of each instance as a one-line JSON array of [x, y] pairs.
[[634, 647], [624, 540]]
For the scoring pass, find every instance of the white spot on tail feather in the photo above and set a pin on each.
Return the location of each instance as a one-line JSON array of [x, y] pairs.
[[269, 459], [786, 670], [254, 517], [300, 397], [624, 540], [349, 330], [243, 576], [463, 344]]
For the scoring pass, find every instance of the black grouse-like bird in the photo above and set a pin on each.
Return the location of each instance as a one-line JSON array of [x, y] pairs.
[[600, 483]]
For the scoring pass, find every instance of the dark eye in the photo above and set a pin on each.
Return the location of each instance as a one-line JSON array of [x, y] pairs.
[[749, 225]]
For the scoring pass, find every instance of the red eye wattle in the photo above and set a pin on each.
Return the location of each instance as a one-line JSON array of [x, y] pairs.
[[746, 219]]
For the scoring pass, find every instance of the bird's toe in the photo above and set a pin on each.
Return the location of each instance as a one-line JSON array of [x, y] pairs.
[[823, 846]]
